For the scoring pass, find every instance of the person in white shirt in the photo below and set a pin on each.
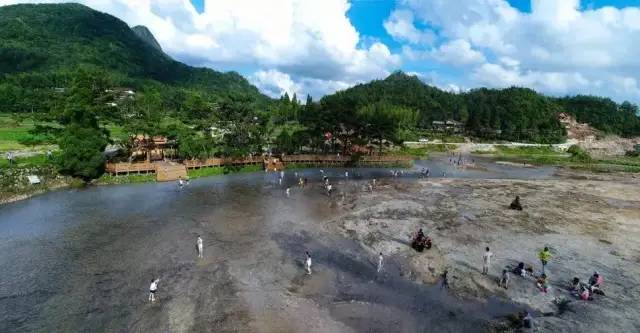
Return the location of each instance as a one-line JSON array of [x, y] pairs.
[[380, 262], [199, 246], [152, 289], [288, 191], [486, 261], [180, 182], [307, 263]]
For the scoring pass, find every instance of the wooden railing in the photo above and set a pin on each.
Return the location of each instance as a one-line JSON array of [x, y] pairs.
[[335, 159], [117, 168], [217, 162], [386, 158], [309, 158]]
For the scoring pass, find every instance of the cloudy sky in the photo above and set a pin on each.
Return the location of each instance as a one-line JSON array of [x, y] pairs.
[[557, 47]]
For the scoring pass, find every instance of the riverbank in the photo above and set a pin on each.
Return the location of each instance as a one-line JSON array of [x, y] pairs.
[[15, 186], [541, 155], [590, 225]]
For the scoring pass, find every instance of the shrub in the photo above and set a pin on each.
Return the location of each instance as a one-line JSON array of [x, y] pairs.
[[579, 154]]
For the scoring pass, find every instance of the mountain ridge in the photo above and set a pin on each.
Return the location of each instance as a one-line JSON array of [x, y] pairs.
[[147, 36], [53, 38]]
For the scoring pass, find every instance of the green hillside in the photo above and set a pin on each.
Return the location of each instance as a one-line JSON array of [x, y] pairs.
[[508, 114], [146, 35], [515, 114], [47, 42]]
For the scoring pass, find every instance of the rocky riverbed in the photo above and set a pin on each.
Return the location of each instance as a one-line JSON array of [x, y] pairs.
[[590, 223], [82, 259]]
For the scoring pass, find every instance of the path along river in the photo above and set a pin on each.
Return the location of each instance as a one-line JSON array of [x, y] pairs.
[[82, 260]]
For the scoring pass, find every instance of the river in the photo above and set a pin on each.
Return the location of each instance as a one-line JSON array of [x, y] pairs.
[[82, 260]]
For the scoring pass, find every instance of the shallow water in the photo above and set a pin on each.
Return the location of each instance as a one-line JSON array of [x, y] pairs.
[[81, 260]]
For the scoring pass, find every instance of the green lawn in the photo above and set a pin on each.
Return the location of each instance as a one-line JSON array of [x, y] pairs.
[[548, 156], [207, 172], [117, 132], [11, 132], [31, 161]]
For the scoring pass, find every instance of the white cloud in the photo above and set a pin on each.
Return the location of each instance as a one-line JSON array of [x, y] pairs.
[[559, 48], [458, 52], [400, 26], [275, 83], [307, 40]]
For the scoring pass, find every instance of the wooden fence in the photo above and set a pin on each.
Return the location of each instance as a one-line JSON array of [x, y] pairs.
[[308, 159], [120, 168], [218, 162]]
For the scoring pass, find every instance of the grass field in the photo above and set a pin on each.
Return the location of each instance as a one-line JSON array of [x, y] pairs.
[[117, 133], [548, 156], [12, 132], [23, 162], [207, 172]]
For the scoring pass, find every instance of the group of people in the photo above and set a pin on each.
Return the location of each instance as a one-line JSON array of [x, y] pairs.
[[585, 291], [420, 241], [582, 290], [458, 160]]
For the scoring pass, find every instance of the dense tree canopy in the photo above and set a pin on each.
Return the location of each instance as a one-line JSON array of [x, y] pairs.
[[604, 114]]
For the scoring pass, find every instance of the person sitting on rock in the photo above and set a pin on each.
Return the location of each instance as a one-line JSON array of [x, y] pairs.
[[520, 270], [595, 283], [574, 286], [585, 293], [542, 283], [420, 235], [515, 204]]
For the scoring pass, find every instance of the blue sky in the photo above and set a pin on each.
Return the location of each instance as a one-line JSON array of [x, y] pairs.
[[435, 62], [557, 47]]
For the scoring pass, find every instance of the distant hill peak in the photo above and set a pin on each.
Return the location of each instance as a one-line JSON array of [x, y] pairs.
[[146, 35]]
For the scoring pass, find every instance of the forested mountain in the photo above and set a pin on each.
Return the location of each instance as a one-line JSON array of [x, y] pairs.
[[509, 114], [146, 35], [41, 46], [401, 90], [604, 114], [517, 114]]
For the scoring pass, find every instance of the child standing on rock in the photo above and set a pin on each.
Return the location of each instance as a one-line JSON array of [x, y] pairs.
[[486, 261], [199, 247], [545, 256], [308, 262], [504, 280], [153, 288]]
